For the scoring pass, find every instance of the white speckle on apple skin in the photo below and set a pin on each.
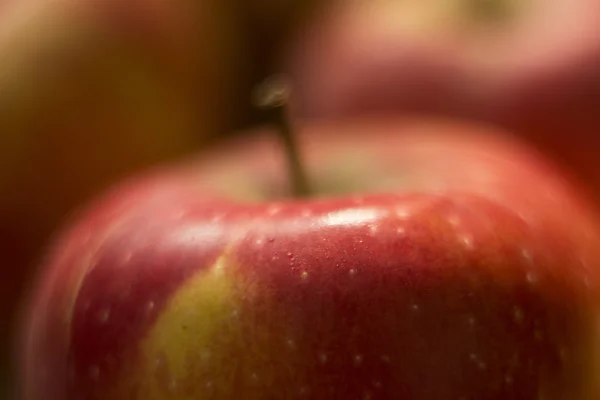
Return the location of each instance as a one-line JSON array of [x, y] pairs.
[[219, 268], [150, 307], [259, 242], [467, 241], [218, 217], [304, 275], [323, 358], [478, 362], [352, 272], [358, 359], [173, 386], [586, 281], [273, 210], [414, 308], [104, 316], [306, 213], [471, 320], [159, 362], [373, 229], [454, 220], [358, 200], [518, 315], [526, 254], [402, 212], [531, 277]]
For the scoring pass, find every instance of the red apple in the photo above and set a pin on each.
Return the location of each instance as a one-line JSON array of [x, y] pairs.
[[531, 67], [437, 260], [92, 90]]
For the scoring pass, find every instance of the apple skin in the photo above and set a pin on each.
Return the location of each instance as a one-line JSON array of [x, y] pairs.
[[535, 72], [91, 91], [442, 268]]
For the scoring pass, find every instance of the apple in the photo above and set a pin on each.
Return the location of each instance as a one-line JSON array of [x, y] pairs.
[[435, 259], [93, 90], [529, 67]]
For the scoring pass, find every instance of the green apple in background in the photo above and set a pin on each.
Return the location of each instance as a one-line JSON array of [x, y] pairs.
[[529, 66], [93, 90], [431, 260]]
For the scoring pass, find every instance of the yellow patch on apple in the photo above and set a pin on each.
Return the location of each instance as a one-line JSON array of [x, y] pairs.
[[214, 339]]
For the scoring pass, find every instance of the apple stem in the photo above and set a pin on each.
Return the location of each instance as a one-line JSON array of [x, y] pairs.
[[272, 95]]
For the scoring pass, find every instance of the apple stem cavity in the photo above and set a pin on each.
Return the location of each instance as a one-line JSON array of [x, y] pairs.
[[272, 96]]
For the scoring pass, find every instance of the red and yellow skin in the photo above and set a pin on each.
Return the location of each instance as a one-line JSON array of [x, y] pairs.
[[448, 264]]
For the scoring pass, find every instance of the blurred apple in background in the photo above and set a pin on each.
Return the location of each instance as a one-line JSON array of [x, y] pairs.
[[429, 262], [531, 66], [92, 90]]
